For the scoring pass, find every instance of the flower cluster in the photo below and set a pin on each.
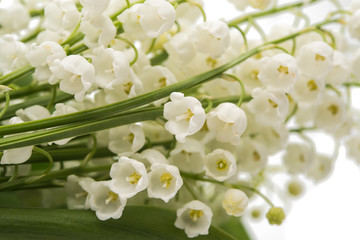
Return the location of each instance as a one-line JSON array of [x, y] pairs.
[[148, 102]]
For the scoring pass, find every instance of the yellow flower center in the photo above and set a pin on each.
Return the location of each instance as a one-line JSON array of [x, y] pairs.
[[272, 103], [188, 115], [196, 214], [165, 179], [318, 57], [211, 62], [133, 178], [333, 109], [112, 197], [283, 70], [129, 138], [127, 87], [221, 165], [256, 156], [312, 85]]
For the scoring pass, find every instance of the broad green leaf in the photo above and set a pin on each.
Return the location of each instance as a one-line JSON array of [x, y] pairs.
[[137, 223], [235, 227]]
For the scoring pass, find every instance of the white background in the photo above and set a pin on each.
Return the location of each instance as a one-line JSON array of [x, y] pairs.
[[329, 210]]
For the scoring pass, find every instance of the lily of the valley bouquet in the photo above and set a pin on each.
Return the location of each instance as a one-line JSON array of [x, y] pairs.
[[163, 123]]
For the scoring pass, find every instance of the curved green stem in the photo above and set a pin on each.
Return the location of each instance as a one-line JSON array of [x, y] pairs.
[[136, 53], [7, 104], [199, 7], [209, 105], [92, 153], [236, 186], [48, 156], [243, 35], [53, 97], [242, 94]]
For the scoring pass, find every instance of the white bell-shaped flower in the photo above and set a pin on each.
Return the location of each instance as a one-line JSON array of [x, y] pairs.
[[298, 158], [127, 139], [321, 168], [235, 202], [128, 177], [98, 30], [260, 4], [188, 156], [76, 193], [155, 77], [212, 38], [354, 24], [248, 71], [355, 64], [251, 155], [220, 164], [93, 7], [239, 4], [131, 24], [352, 147], [308, 90], [278, 72], [35, 112], [185, 116], [180, 48], [14, 16], [341, 70], [111, 67], [105, 202], [330, 113], [164, 181], [156, 17], [228, 122], [76, 75], [42, 56], [61, 15], [270, 107], [195, 218], [315, 59], [153, 156], [16, 155], [12, 54]]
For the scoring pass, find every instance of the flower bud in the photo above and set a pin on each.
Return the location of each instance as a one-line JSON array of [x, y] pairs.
[[275, 215]]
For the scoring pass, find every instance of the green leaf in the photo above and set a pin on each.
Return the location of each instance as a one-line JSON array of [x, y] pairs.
[[235, 227], [137, 222]]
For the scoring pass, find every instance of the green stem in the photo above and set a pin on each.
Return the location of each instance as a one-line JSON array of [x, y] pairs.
[[236, 186], [133, 47], [92, 153], [53, 97], [294, 110], [199, 7], [242, 94], [243, 35], [17, 74], [48, 156], [7, 103], [271, 11]]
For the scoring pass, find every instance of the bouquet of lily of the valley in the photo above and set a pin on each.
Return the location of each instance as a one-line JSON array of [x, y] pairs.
[[163, 123]]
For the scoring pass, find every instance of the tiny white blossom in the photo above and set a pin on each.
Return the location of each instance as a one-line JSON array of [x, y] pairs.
[[354, 24], [235, 202], [129, 177], [13, 17], [105, 202], [341, 70], [179, 48], [352, 147], [315, 59], [240, 4], [330, 113], [260, 4], [16, 155], [42, 57], [77, 193], [278, 72], [308, 90], [320, 168], [212, 38], [220, 164], [153, 156], [228, 122], [188, 156], [270, 107], [61, 14], [248, 71], [126, 139], [251, 155], [12, 54], [98, 30], [156, 17], [298, 158], [185, 116], [164, 181], [355, 65], [76, 75], [195, 218]]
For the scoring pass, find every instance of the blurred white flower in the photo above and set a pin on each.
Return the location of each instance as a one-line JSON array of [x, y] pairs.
[[235, 202], [126, 139], [298, 158]]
